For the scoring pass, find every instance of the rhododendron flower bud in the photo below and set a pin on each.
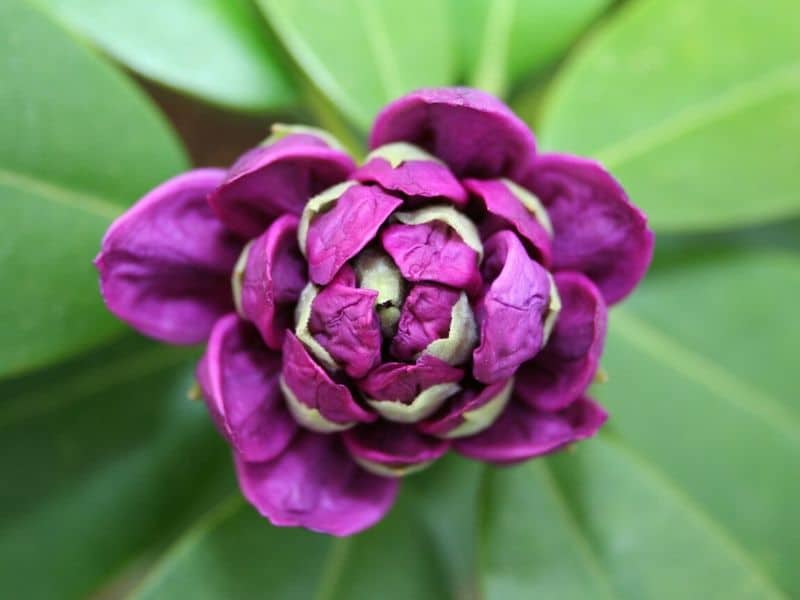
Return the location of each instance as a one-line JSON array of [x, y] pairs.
[[450, 293]]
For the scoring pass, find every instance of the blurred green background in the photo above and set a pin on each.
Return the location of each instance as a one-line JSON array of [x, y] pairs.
[[114, 484]]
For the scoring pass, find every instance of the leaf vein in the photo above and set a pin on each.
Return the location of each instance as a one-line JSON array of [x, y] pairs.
[[701, 369], [84, 202], [695, 117]]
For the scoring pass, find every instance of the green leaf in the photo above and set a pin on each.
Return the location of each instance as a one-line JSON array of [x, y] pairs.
[[445, 496], [698, 126], [705, 350], [621, 531], [235, 553], [216, 50], [79, 144], [103, 461], [362, 54], [504, 41], [698, 495]]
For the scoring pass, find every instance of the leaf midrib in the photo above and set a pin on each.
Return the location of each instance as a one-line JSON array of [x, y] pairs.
[[490, 70], [584, 547], [701, 369], [696, 116], [681, 498], [59, 194]]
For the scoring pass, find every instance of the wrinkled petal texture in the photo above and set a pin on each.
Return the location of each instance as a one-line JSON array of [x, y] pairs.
[[417, 180], [336, 236], [273, 279], [425, 317], [239, 379], [276, 179], [522, 432], [597, 230], [344, 321], [314, 388], [470, 130], [315, 484], [165, 264], [563, 370], [402, 382], [432, 252], [505, 211], [510, 314], [451, 292]]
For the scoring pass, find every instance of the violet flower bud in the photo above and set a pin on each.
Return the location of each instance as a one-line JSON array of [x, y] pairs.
[[450, 293]]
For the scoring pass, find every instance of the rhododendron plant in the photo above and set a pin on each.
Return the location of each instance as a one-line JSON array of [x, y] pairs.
[[360, 321]]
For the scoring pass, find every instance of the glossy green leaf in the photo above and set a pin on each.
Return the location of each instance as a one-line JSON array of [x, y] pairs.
[[621, 531], [102, 460], [362, 54], [235, 553], [217, 50], [445, 496], [504, 41], [698, 496], [694, 105], [79, 144], [706, 351]]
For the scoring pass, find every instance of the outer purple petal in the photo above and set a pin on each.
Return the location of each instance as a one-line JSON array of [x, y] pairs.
[[419, 180], [315, 484], [239, 377], [393, 448], [269, 181], [401, 382], [336, 236], [597, 230], [165, 264], [344, 321], [425, 317], [432, 252], [522, 432], [314, 388], [510, 314], [505, 211], [272, 281], [563, 370], [473, 132], [451, 416]]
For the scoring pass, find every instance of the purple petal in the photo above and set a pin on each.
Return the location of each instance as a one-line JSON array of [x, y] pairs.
[[425, 317], [522, 432], [505, 211], [279, 178], [470, 412], [165, 264], [392, 450], [273, 277], [473, 132], [597, 230], [344, 321], [432, 251], [314, 389], [418, 180], [511, 312], [401, 382], [239, 378], [315, 484], [336, 236], [565, 367]]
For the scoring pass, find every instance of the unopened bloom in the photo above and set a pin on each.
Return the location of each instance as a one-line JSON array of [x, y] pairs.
[[361, 321]]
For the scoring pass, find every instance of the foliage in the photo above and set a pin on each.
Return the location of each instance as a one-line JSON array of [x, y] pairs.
[[111, 476]]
